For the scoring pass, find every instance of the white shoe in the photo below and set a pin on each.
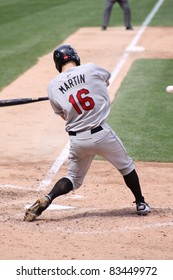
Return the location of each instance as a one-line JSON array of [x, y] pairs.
[[142, 208]]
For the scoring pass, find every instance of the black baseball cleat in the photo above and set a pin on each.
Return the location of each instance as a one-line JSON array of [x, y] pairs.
[[142, 208], [129, 28], [104, 28], [36, 209]]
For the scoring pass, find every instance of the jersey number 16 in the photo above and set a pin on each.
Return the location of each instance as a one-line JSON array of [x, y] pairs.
[[86, 102]]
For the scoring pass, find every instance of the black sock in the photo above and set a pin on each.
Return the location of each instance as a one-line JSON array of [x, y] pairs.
[[63, 186], [132, 182]]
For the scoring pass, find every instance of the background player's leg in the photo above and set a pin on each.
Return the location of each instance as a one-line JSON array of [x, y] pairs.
[[127, 13], [107, 14]]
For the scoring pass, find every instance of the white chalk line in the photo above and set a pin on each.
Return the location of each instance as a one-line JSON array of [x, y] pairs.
[[61, 207], [118, 229], [127, 228], [64, 154], [115, 230], [55, 207], [55, 167], [8, 186]]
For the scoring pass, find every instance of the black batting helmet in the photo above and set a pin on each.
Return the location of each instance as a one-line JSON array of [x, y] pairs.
[[64, 54]]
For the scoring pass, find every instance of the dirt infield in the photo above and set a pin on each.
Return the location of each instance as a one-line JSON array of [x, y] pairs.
[[97, 221]]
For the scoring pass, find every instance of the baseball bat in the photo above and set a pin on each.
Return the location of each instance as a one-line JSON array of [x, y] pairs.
[[20, 101]]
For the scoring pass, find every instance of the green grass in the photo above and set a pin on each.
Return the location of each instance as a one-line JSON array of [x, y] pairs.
[[165, 15], [141, 114], [32, 28]]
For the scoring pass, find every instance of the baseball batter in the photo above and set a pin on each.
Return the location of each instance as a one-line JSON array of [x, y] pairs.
[[126, 10], [79, 95]]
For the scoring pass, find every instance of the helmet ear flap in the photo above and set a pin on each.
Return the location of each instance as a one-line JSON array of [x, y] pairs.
[[56, 58], [57, 67]]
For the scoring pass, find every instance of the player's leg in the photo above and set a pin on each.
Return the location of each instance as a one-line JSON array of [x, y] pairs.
[[114, 151], [132, 182], [63, 186], [127, 13], [107, 13], [77, 169]]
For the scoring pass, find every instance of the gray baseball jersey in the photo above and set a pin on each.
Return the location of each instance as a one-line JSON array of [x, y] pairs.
[[80, 95]]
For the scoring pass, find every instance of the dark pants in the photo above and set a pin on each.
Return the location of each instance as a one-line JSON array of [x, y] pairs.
[[124, 6]]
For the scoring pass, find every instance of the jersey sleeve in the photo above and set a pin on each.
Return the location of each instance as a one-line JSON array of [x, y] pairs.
[[102, 73], [54, 104]]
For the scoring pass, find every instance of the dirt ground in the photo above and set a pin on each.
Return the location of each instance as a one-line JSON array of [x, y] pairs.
[[98, 221]]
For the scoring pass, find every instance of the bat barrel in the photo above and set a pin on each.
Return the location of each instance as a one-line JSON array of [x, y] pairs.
[[20, 101]]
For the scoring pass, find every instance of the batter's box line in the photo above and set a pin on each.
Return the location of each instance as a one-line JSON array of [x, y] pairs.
[[119, 229], [3, 186]]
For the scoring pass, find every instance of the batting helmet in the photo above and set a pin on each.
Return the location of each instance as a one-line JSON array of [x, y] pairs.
[[64, 54]]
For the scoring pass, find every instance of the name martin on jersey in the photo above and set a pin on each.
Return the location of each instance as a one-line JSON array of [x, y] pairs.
[[74, 81]]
